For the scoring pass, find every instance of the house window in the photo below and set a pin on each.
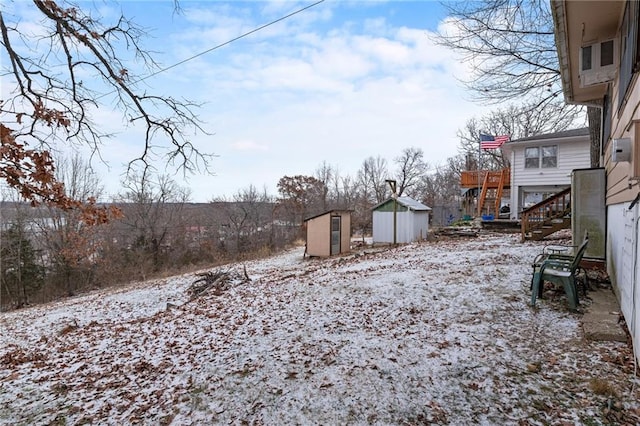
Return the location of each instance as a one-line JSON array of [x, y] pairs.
[[630, 57], [531, 158], [586, 58], [549, 156], [545, 157]]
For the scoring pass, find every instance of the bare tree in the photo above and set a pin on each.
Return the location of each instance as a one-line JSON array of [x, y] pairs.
[[72, 249], [514, 120], [57, 78], [440, 189], [326, 174], [152, 208], [510, 46], [372, 180], [247, 215], [347, 190], [411, 167]]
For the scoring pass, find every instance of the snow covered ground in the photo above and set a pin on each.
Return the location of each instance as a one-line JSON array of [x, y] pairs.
[[428, 333]]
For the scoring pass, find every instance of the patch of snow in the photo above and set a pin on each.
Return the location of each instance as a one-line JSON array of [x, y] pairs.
[[431, 332]]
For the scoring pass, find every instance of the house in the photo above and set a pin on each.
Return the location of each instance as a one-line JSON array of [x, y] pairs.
[[599, 51], [328, 233], [541, 165], [411, 220]]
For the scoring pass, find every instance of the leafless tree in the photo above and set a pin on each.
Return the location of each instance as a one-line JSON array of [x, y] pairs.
[[326, 174], [440, 189], [372, 178], [58, 73], [71, 247], [411, 167], [153, 209], [347, 188], [509, 45], [514, 120], [248, 217]]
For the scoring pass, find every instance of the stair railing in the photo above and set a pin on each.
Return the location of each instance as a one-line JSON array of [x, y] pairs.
[[555, 207]]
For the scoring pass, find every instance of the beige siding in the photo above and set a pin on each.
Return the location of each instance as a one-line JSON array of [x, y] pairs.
[[622, 183], [319, 236], [345, 236], [622, 216]]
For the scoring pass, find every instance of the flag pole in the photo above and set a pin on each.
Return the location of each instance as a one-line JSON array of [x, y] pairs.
[[479, 180]]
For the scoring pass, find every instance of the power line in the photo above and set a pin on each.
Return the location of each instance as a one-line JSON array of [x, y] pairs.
[[230, 41]]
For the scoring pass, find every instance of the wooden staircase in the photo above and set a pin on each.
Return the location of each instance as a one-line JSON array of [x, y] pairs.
[[492, 188], [546, 217]]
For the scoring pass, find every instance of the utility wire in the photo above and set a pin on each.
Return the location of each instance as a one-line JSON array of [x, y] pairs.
[[230, 41]]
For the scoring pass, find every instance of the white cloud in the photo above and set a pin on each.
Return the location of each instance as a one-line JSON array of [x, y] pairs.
[[320, 86]]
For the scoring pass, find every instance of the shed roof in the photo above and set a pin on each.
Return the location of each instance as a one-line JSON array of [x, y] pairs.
[[407, 202], [328, 212]]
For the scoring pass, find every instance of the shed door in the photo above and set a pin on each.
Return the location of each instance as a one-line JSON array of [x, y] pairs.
[[335, 235]]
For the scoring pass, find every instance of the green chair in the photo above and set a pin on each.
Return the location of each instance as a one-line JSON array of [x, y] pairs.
[[558, 268]]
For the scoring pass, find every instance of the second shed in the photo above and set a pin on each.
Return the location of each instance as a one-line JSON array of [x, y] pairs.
[[412, 221]]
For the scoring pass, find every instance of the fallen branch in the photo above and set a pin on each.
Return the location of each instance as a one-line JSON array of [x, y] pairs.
[[216, 282]]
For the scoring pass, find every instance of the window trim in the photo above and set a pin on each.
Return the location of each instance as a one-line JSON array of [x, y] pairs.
[[537, 157], [629, 50], [540, 157]]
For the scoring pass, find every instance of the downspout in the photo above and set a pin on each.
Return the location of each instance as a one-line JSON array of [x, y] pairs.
[[634, 279]]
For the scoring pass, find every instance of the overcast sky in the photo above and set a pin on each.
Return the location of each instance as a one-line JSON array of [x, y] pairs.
[[339, 82]]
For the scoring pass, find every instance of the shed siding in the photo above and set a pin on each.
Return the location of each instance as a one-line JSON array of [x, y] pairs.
[[345, 233], [319, 233], [420, 225], [411, 226], [318, 236]]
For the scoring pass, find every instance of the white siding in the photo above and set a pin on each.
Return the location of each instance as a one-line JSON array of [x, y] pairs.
[[411, 226], [622, 263], [572, 154]]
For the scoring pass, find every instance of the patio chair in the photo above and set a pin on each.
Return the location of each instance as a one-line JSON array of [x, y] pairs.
[[558, 267]]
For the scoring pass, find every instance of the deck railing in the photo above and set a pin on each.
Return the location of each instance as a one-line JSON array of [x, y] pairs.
[[475, 178]]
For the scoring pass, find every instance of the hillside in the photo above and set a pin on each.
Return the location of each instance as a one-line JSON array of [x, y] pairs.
[[429, 333]]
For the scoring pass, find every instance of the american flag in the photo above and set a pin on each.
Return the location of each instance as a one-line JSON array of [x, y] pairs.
[[492, 142]]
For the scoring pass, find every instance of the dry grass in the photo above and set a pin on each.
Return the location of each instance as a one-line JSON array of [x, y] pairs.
[[602, 387]]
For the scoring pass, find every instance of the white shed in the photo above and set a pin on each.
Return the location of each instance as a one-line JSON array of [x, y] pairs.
[[412, 221]]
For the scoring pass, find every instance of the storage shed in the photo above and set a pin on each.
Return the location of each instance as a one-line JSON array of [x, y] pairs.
[[328, 233], [412, 222]]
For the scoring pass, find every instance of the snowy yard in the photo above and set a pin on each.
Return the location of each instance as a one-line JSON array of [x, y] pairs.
[[429, 333]]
